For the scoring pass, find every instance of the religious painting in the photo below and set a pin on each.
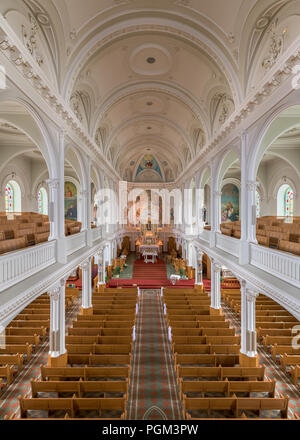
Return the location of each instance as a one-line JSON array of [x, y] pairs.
[[70, 201], [148, 162], [230, 205]]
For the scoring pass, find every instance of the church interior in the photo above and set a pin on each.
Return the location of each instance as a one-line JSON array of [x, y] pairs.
[[149, 210]]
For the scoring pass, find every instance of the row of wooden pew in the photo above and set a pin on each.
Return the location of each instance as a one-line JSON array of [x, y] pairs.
[[206, 358], [276, 331], [96, 379], [24, 335]]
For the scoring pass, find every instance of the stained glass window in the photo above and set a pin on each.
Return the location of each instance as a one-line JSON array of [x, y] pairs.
[[289, 202], [258, 203], [42, 199], [9, 198]]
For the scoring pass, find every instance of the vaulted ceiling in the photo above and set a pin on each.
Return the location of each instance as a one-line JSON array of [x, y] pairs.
[[153, 80]]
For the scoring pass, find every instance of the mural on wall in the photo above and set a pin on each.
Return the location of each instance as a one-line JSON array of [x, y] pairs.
[[230, 205], [70, 201], [148, 162]]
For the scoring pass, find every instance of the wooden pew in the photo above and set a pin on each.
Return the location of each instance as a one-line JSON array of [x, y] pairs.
[[80, 388], [7, 372], [277, 350], [13, 359], [30, 324], [99, 359], [98, 339], [217, 359], [280, 340], [82, 331], [236, 404], [226, 387], [295, 373], [17, 349], [103, 324], [73, 405], [29, 331], [85, 373], [99, 348], [261, 332], [288, 360], [22, 340], [202, 332], [233, 373]]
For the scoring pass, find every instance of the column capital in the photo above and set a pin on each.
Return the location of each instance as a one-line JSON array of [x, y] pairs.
[[251, 295], [252, 185], [217, 193], [85, 264], [84, 193], [216, 266], [52, 183], [54, 293], [200, 254]]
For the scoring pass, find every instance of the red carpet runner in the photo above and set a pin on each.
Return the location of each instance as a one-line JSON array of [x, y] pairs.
[[149, 276]]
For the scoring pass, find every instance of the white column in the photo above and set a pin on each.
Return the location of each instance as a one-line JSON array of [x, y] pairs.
[[57, 319], [244, 245], [199, 269], [83, 196], [212, 204], [101, 278], [215, 294], [86, 283], [251, 207], [217, 210], [248, 321], [61, 188], [53, 185], [88, 189]]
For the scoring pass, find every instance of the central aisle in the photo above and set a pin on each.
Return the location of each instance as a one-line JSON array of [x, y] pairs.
[[153, 390]]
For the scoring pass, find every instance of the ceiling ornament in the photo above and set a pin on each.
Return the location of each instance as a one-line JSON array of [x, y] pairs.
[[259, 30], [150, 59], [30, 39], [101, 136], [275, 47], [46, 28], [76, 105]]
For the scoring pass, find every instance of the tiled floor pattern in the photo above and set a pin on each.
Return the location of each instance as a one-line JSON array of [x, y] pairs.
[[153, 392], [21, 384]]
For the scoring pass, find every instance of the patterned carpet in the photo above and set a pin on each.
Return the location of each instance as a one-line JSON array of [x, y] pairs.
[[153, 392]]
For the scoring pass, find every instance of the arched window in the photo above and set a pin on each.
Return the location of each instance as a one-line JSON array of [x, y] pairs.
[[285, 201], [258, 203], [12, 197], [42, 198]]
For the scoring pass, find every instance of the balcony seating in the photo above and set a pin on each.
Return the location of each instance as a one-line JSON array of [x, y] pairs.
[[28, 229], [271, 232]]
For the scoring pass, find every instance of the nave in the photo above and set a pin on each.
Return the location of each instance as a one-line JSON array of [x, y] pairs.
[[154, 354]]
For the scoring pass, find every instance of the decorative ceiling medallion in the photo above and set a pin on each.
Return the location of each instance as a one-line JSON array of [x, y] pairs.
[[150, 59], [262, 22], [148, 104]]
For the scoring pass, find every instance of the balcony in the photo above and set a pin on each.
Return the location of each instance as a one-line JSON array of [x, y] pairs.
[[21, 264], [280, 264], [75, 242], [228, 244]]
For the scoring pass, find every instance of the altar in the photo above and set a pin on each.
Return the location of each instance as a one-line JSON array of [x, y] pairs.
[[149, 252], [148, 245]]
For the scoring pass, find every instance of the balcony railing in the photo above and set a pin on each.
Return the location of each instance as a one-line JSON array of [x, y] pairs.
[[205, 235], [75, 242], [228, 244], [21, 264], [279, 264], [97, 233]]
